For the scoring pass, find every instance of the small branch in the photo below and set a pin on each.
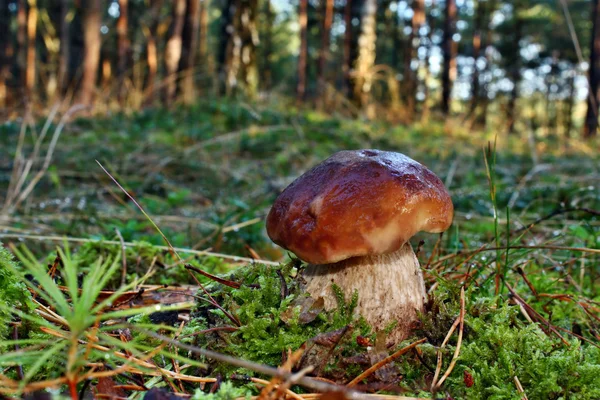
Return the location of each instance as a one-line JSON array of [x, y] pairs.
[[459, 342], [384, 362], [520, 388], [123, 257]]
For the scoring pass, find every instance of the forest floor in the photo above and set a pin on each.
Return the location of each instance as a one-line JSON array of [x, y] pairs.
[[524, 245]]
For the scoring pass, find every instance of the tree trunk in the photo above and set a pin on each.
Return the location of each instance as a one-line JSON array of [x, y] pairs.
[[227, 14], [22, 45], [570, 104], [426, 106], [242, 73], [203, 41], [591, 117], [410, 76], [515, 74], [173, 50], [92, 20], [63, 59], [449, 50], [352, 11], [266, 70], [5, 61], [191, 30], [123, 47], [32, 17], [303, 55], [152, 51], [366, 58], [477, 27], [324, 51]]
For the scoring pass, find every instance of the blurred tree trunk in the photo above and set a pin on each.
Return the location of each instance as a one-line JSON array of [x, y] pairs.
[[303, 55], [352, 12], [63, 59], [21, 44], [32, 17], [266, 70], [515, 72], [570, 103], [227, 14], [91, 22], [173, 50], [123, 47], [203, 41], [366, 58], [152, 50], [187, 64], [426, 106], [449, 50], [324, 51], [591, 117], [478, 22], [242, 73], [5, 58], [410, 76]]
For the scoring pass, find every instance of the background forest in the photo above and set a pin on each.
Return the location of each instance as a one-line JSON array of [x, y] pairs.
[[524, 63], [143, 142]]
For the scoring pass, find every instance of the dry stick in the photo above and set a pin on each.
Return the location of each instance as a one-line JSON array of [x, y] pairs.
[[123, 257], [537, 247], [215, 278], [558, 212], [267, 383], [130, 244], [49, 154], [438, 367], [538, 317], [459, 342], [310, 383], [520, 388], [18, 159], [384, 362]]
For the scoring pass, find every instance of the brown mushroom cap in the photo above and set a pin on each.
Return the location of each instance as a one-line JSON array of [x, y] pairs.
[[358, 203]]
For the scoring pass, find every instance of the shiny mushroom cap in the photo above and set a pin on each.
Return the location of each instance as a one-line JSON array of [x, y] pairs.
[[358, 203]]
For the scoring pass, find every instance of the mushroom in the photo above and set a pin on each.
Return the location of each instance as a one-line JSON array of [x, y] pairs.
[[351, 218]]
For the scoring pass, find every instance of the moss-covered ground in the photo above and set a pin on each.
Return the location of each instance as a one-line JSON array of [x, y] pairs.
[[524, 245]]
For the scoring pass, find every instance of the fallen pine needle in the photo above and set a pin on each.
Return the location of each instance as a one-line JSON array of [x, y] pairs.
[[461, 318], [383, 362]]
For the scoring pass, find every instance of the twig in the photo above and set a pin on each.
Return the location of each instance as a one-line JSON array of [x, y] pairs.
[[435, 385], [520, 388], [130, 244], [307, 382], [384, 362], [123, 257]]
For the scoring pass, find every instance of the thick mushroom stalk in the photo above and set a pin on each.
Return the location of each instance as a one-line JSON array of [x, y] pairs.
[[351, 218], [390, 288]]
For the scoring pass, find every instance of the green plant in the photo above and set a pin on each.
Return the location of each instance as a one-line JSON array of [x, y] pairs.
[[70, 316]]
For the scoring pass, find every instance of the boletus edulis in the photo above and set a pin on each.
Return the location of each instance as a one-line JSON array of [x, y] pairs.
[[350, 218]]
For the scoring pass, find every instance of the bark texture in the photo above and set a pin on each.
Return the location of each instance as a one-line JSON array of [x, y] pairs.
[[302, 57], [390, 288], [410, 76], [366, 57], [324, 51], [591, 117], [173, 49], [449, 49], [92, 19], [123, 46]]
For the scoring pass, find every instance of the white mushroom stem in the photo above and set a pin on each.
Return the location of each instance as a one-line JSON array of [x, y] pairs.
[[390, 288]]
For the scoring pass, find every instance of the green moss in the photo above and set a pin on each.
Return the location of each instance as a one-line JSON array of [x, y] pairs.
[[13, 292], [226, 392]]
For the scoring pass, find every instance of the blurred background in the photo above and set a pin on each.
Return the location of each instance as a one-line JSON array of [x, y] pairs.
[[521, 65], [206, 109]]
